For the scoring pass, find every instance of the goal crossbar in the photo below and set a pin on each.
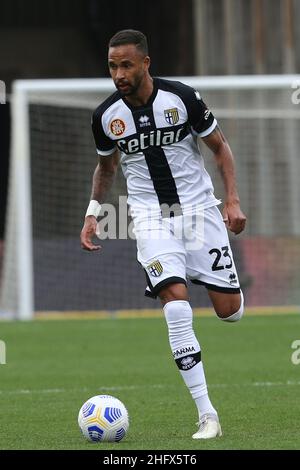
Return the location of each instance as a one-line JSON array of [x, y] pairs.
[[226, 82]]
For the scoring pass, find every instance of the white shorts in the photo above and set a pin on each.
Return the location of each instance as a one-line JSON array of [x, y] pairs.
[[197, 248]]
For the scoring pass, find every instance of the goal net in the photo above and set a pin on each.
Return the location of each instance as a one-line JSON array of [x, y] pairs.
[[52, 161]]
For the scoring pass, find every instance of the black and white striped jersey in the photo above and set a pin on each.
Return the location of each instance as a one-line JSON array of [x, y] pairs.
[[160, 157]]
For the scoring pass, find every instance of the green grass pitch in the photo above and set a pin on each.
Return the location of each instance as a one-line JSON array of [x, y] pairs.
[[54, 366]]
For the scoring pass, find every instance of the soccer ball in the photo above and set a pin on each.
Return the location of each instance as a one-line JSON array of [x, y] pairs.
[[103, 418]]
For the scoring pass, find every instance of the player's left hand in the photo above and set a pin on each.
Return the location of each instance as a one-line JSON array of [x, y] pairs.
[[233, 217]]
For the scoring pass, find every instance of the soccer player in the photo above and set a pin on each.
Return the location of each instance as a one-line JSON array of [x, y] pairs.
[[152, 125]]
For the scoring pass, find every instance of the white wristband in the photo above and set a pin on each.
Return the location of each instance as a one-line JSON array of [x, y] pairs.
[[93, 209]]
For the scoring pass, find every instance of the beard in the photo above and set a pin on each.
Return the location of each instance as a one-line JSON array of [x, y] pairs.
[[126, 88]]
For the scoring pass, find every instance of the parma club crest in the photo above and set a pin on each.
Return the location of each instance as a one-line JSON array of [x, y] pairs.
[[155, 268], [171, 116]]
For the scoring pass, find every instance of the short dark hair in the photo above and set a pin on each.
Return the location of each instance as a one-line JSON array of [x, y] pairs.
[[130, 36]]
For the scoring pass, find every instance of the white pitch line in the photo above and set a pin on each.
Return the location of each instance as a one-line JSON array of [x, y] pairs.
[[258, 384], [137, 387], [79, 390]]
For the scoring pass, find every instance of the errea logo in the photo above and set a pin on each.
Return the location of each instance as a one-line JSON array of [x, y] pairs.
[[187, 363], [144, 121], [232, 278]]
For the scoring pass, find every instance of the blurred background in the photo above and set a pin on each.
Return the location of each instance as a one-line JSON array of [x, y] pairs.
[[68, 39]]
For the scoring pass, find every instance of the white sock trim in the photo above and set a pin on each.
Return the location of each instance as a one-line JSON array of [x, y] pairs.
[[185, 303], [237, 315]]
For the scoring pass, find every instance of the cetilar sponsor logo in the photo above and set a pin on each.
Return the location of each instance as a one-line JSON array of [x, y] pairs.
[[154, 138]]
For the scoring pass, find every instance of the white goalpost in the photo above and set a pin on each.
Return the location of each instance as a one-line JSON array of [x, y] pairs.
[[51, 165], [19, 221]]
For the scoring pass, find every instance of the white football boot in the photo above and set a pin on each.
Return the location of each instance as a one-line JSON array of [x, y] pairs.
[[209, 427]]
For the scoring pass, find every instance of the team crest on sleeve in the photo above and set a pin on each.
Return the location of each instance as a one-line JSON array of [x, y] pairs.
[[117, 127], [171, 116], [155, 268]]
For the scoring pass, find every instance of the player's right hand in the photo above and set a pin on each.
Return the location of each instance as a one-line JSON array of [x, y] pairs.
[[87, 233]]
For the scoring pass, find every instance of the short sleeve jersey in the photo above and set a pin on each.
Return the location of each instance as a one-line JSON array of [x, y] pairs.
[[160, 157]]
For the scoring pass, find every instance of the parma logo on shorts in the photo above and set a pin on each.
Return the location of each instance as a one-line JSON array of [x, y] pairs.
[[171, 116], [155, 268], [117, 127]]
